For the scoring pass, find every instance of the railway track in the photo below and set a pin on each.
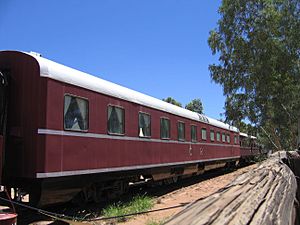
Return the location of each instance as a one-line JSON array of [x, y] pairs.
[[92, 210]]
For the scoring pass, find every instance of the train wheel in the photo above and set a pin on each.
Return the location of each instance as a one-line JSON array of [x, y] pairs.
[[175, 179], [231, 165], [35, 196]]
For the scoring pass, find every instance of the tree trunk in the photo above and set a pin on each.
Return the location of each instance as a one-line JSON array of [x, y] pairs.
[[298, 130], [265, 195]]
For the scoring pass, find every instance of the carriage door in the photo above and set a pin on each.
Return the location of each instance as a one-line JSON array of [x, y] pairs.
[[3, 117]]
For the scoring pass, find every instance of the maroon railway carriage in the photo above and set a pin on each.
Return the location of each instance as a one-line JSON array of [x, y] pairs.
[[248, 147], [64, 131]]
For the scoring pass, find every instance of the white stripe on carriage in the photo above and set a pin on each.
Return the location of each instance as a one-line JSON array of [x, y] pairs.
[[125, 138], [125, 168]]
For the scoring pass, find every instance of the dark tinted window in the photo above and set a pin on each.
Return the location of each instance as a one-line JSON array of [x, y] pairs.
[[212, 135], [223, 137], [181, 131], [144, 125], [164, 128], [194, 133], [235, 139], [218, 136], [115, 120], [75, 113], [228, 138], [203, 133]]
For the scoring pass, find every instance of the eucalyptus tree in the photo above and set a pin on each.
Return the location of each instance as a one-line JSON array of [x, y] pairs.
[[258, 45], [195, 105], [172, 101]]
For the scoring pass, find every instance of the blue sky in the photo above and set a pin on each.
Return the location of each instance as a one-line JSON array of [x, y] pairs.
[[157, 47]]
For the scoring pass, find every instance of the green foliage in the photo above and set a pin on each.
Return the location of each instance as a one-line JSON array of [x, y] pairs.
[[137, 204], [247, 128], [195, 105], [260, 158], [172, 101], [258, 44]]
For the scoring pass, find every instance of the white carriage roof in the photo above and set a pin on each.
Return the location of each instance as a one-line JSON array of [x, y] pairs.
[[243, 134], [68, 75], [246, 135]]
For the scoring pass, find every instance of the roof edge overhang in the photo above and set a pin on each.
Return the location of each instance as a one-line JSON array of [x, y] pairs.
[[65, 74]]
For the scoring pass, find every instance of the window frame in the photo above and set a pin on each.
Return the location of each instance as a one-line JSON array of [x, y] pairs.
[[124, 130], [223, 135], [166, 118], [195, 140], [235, 139], [181, 122], [141, 112], [88, 114], [202, 129], [218, 135], [228, 138], [212, 132]]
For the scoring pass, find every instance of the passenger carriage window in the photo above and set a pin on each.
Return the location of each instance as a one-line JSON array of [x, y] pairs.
[[218, 136], [164, 128], [228, 138], [181, 131], [223, 137], [115, 120], [194, 133], [76, 113], [203, 134], [235, 139], [212, 135], [144, 125]]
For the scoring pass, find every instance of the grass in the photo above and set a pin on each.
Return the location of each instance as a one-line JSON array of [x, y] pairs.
[[154, 222], [137, 204]]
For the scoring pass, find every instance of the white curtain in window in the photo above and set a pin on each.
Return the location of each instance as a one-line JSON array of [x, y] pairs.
[[147, 120], [109, 111], [82, 104], [67, 103], [120, 115]]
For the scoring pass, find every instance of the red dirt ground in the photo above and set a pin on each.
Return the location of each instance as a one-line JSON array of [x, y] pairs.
[[185, 195]]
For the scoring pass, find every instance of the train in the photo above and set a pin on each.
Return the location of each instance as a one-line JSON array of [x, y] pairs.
[[66, 134]]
